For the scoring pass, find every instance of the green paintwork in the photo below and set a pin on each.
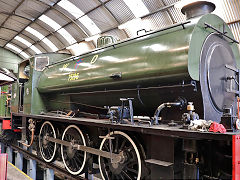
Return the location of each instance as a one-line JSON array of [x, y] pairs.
[[4, 110], [15, 98], [9, 60], [33, 103], [198, 37], [160, 57]]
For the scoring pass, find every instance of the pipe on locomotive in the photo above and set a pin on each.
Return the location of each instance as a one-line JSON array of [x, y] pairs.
[[31, 127], [179, 102]]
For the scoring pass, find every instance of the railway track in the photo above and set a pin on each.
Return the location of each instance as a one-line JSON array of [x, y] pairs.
[[59, 171]]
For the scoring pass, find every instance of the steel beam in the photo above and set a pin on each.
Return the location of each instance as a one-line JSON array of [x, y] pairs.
[[48, 174], [19, 4], [32, 168], [9, 151], [19, 161], [1, 147], [48, 9]]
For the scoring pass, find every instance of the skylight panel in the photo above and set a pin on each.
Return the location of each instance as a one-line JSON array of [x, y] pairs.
[[90, 25], [67, 36], [58, 28], [20, 39], [50, 44], [28, 44], [41, 37], [34, 32], [137, 7], [77, 13], [50, 22], [24, 54], [71, 8], [14, 48], [35, 49]]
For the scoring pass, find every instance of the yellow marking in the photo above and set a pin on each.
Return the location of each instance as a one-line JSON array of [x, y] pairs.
[[94, 59], [20, 171], [65, 65], [73, 76]]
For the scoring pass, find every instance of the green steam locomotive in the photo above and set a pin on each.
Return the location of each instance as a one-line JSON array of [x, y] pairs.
[[123, 105]]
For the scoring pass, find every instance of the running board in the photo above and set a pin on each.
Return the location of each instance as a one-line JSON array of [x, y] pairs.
[[158, 162]]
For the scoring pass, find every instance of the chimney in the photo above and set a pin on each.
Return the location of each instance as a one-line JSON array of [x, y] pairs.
[[198, 8]]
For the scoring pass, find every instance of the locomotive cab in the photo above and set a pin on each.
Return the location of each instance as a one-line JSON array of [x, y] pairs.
[[24, 73]]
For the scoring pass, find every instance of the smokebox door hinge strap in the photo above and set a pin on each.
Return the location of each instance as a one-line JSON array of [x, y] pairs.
[[236, 80], [221, 33]]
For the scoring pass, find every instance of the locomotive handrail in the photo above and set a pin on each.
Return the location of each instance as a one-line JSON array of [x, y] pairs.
[[222, 33], [113, 45]]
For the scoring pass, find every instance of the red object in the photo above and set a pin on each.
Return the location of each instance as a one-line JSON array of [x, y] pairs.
[[17, 130], [6, 124], [236, 157], [3, 165], [216, 127]]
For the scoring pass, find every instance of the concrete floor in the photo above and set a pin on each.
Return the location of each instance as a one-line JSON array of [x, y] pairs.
[[14, 173]]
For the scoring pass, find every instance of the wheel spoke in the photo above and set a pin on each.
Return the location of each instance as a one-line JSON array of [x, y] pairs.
[[123, 144], [106, 146], [48, 149], [126, 175], [130, 168], [121, 176], [73, 159], [116, 145]]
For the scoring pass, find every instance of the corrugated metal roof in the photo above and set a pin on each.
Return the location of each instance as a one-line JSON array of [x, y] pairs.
[[231, 9], [120, 10], [102, 18], [106, 15], [153, 5]]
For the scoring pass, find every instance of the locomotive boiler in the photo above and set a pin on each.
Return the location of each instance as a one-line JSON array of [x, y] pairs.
[[151, 69], [143, 86]]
